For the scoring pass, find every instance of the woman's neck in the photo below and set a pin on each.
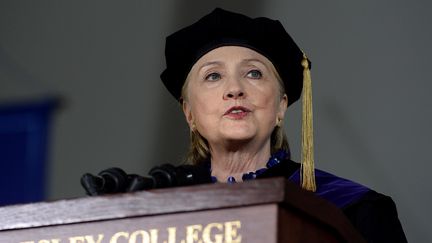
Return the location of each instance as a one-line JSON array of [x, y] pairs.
[[226, 162]]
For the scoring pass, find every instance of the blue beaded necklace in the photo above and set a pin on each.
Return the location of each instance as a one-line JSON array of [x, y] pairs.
[[275, 159]]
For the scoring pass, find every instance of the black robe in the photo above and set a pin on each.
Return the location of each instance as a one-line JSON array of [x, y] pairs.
[[373, 214]]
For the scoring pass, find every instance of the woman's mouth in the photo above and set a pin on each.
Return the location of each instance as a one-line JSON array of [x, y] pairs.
[[237, 112]]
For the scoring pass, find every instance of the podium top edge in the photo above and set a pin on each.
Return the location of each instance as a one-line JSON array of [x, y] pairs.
[[144, 203]]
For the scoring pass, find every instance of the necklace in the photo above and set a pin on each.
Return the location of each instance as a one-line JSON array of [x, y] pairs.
[[275, 159]]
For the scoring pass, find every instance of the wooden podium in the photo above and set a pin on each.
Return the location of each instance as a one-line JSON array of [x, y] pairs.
[[264, 211]]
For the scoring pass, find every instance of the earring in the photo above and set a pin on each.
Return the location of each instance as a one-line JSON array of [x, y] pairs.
[[193, 127], [278, 122]]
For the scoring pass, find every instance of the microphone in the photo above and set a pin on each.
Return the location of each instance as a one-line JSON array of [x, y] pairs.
[[111, 180], [168, 175], [114, 180]]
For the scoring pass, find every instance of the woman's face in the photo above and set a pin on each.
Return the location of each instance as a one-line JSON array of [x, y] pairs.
[[232, 95]]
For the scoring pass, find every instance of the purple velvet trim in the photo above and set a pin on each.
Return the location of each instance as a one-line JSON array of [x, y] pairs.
[[339, 191]]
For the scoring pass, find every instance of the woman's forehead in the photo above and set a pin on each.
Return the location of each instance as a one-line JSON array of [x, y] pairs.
[[227, 54]]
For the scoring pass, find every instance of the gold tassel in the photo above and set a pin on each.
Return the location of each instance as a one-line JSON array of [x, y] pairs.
[[307, 162]]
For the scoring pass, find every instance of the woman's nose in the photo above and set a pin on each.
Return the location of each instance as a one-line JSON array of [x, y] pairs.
[[234, 94], [234, 91]]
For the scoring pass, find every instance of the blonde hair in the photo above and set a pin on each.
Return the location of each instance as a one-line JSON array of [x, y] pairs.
[[199, 149]]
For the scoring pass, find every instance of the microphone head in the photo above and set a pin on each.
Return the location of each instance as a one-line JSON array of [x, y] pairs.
[[139, 183], [168, 175], [92, 184], [114, 180], [164, 176]]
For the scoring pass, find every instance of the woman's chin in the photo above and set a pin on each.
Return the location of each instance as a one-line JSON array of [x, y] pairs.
[[239, 135]]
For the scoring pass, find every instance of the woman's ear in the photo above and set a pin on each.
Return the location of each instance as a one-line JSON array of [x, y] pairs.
[[283, 105], [187, 111]]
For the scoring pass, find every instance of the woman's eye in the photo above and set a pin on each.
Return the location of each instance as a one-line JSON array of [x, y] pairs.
[[255, 74], [213, 77]]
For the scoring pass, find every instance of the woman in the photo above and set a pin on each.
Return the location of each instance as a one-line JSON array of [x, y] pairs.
[[235, 77]]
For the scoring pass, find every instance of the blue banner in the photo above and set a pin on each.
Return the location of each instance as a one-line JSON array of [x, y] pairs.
[[24, 133]]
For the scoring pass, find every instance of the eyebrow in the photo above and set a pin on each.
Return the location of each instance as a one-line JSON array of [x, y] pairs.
[[253, 60], [221, 63], [209, 64]]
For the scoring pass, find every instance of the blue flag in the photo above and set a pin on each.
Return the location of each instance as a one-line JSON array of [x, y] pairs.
[[24, 133]]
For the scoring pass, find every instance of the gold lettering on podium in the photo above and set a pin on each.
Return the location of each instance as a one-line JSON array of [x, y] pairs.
[[77, 239], [171, 235], [90, 239], [192, 233], [154, 236], [207, 233], [117, 235], [144, 235], [223, 232], [43, 241], [231, 232]]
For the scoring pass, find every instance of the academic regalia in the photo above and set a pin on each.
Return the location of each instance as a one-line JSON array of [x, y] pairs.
[[373, 214]]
